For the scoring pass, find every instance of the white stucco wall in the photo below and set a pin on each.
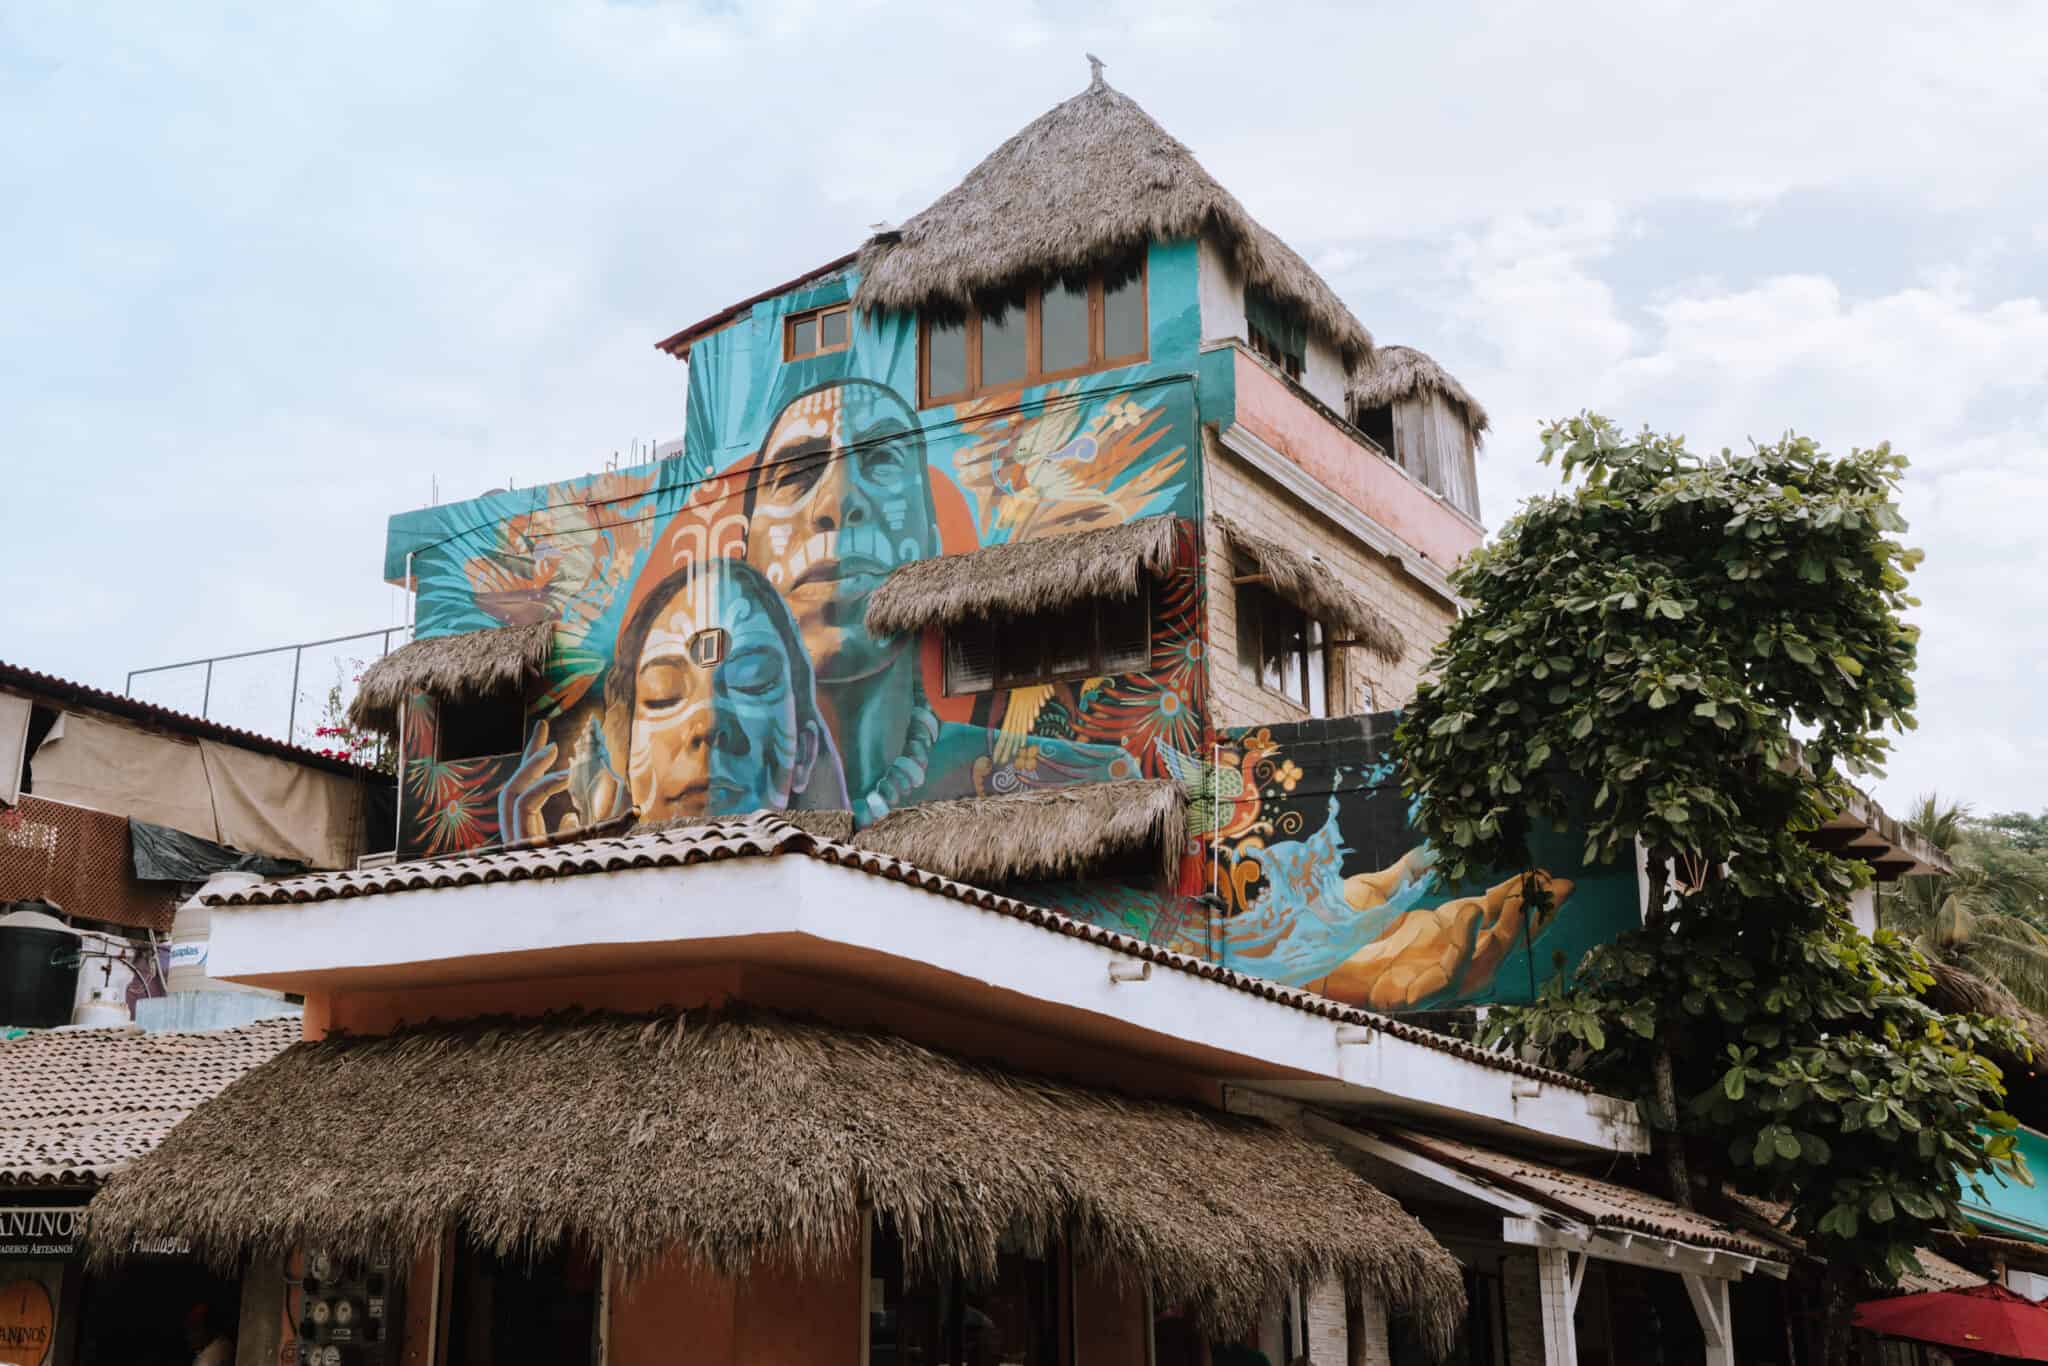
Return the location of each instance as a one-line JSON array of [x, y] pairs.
[[1322, 373], [1220, 289]]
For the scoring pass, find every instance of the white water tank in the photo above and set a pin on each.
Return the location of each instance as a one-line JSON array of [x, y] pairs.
[[191, 931]]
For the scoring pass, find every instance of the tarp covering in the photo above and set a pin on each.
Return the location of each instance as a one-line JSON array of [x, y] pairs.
[[14, 712], [108, 766], [161, 854], [286, 810]]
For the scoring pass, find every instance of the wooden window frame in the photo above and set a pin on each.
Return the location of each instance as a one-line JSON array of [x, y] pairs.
[[1251, 622], [789, 326], [1291, 366], [1034, 344], [1097, 653]]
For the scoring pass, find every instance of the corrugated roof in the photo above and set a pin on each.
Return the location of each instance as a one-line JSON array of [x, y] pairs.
[[67, 690], [766, 836], [78, 1104], [1587, 1199]]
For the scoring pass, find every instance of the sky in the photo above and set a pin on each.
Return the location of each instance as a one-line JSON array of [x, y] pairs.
[[271, 273]]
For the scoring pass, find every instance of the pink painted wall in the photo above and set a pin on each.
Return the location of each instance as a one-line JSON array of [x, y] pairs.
[[1374, 485]]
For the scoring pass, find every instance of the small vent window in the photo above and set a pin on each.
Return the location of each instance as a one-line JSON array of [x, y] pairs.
[[817, 332]]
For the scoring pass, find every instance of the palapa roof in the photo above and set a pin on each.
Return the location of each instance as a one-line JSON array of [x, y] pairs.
[[767, 835], [750, 1135], [1394, 373], [77, 1105], [1958, 991], [1020, 577], [1090, 179], [1050, 832], [460, 668], [1315, 587]]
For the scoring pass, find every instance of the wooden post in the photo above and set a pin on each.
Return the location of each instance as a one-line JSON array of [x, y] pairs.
[[1558, 1290]]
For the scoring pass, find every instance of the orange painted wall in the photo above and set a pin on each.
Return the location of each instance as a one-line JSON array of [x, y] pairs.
[[675, 1312], [790, 1319], [1374, 485], [1109, 1320]]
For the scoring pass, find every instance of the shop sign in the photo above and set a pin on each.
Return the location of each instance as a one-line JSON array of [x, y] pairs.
[[159, 1245], [28, 1322], [39, 1230]]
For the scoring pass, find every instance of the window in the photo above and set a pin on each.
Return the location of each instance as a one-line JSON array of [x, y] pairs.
[[1276, 331], [1013, 1318], [541, 1309], [479, 729], [1279, 645], [1107, 636], [1033, 334], [817, 332]]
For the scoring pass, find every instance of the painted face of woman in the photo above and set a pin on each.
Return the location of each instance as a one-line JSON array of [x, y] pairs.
[[723, 738]]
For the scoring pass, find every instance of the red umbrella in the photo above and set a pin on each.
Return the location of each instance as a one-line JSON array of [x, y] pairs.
[[1984, 1318]]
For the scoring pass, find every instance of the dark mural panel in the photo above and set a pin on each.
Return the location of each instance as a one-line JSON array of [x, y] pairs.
[[1321, 882]]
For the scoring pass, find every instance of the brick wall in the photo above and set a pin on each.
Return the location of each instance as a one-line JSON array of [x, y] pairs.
[[1361, 681], [1522, 1299]]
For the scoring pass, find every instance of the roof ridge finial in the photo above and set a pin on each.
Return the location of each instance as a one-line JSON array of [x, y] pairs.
[[1095, 65]]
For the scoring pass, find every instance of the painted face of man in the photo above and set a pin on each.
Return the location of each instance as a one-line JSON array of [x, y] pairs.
[[842, 501], [719, 739]]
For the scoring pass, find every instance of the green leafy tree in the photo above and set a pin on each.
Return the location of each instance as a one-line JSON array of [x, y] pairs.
[[1986, 917], [1638, 652]]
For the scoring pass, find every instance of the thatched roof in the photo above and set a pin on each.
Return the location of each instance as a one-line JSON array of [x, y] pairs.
[[1958, 991], [829, 825], [1090, 179], [750, 1136], [1393, 373], [464, 668], [1021, 577], [1314, 586], [1051, 832]]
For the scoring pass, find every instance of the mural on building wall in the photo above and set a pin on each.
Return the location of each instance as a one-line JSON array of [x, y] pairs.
[[711, 654], [1321, 882]]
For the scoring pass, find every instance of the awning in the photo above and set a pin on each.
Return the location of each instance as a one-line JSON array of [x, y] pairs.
[[1984, 1318], [1051, 832], [1315, 588], [1020, 577], [462, 668], [747, 1135]]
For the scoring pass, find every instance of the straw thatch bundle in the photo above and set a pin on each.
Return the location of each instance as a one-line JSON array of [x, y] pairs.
[[1051, 832], [1394, 373], [464, 668], [1958, 991], [1313, 586], [1089, 180], [753, 1136], [1020, 577]]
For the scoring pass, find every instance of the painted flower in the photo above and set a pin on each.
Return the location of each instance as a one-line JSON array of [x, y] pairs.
[[1289, 773]]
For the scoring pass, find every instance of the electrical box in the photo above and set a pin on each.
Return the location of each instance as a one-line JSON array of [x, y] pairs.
[[349, 1313]]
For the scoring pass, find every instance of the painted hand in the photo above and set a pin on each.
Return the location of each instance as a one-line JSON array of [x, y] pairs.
[[520, 803]]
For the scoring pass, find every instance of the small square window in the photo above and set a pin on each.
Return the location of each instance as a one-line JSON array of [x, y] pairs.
[[480, 729], [817, 332]]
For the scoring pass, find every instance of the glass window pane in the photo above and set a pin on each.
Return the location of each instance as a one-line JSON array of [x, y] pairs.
[[1065, 320], [803, 338], [945, 352], [970, 658], [1317, 669], [1123, 315], [1126, 634], [1280, 665], [832, 329], [1002, 343]]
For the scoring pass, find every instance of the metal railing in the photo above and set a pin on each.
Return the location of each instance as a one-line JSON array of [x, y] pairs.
[[248, 697]]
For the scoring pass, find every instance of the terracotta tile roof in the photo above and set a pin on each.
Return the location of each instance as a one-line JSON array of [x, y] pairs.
[[1936, 1272], [1606, 1205], [766, 836], [77, 1104]]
